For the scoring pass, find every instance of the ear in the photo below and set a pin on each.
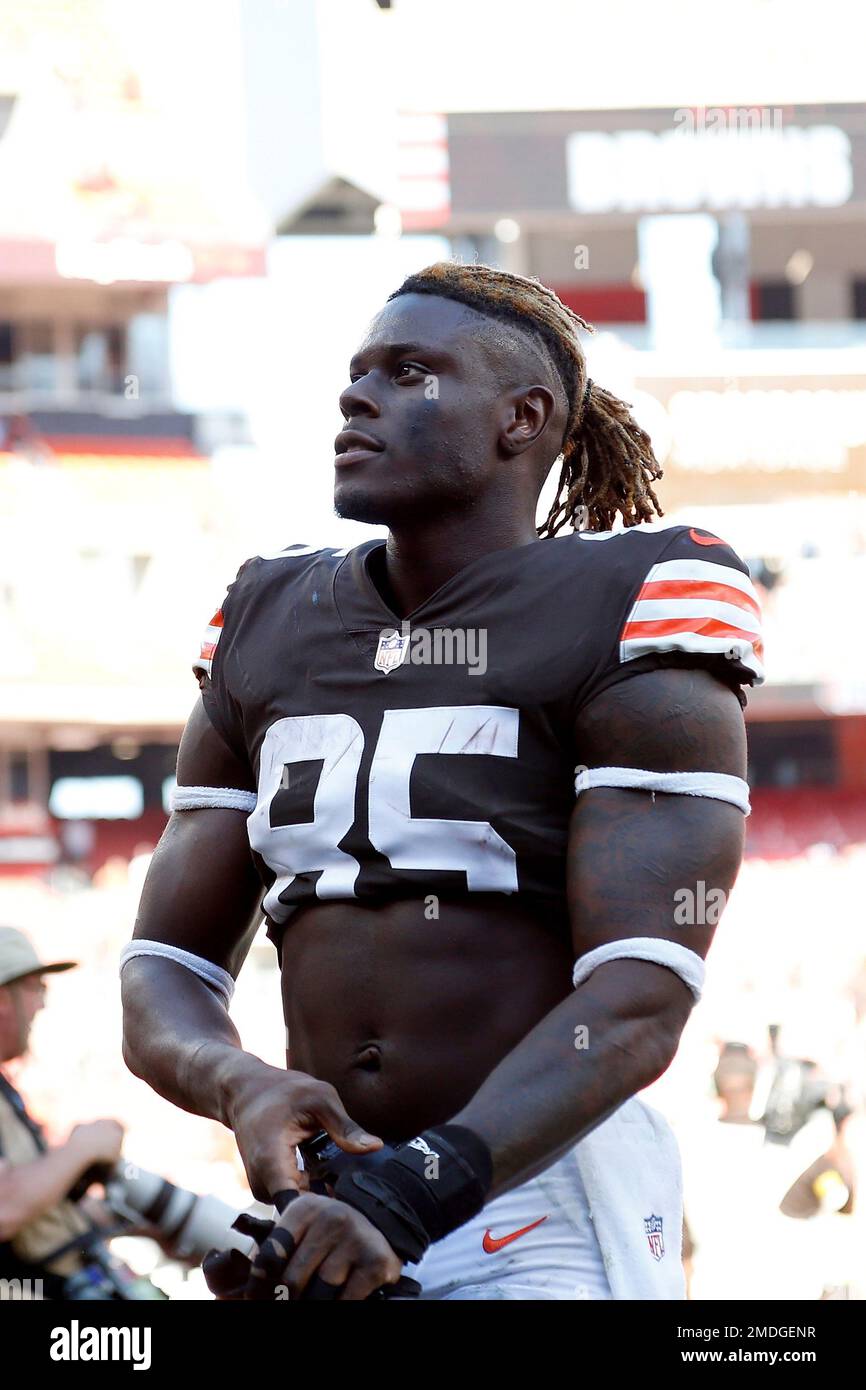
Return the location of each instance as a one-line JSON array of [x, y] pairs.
[[527, 412]]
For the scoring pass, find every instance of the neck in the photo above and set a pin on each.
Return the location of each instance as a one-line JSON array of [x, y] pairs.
[[419, 559]]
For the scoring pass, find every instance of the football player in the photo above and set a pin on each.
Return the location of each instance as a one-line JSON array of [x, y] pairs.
[[469, 865]]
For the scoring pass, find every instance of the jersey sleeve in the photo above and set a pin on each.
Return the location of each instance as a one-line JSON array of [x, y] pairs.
[[693, 606], [210, 668]]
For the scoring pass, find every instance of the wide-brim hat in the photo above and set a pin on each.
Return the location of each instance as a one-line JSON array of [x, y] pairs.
[[18, 958]]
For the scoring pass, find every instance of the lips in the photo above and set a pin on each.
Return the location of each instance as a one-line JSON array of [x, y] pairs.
[[354, 445]]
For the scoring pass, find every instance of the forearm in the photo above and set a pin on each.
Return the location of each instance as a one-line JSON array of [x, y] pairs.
[[179, 1038], [629, 856], [29, 1189], [614, 1035]]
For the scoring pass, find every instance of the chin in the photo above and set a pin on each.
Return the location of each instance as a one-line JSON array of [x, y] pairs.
[[359, 504], [354, 506]]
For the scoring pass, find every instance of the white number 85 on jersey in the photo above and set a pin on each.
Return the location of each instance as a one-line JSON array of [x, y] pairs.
[[407, 842]]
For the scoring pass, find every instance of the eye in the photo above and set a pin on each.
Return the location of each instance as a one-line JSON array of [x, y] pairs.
[[410, 366]]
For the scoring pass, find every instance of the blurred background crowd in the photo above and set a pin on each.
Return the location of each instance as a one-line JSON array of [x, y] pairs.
[[202, 206]]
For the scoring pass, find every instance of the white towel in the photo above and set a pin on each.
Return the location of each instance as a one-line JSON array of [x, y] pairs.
[[631, 1170]]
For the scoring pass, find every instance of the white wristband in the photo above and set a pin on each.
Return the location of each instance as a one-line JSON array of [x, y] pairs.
[[212, 974], [719, 786], [197, 798], [683, 962]]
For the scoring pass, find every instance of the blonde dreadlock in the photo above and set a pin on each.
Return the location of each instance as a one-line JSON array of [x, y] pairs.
[[608, 465]]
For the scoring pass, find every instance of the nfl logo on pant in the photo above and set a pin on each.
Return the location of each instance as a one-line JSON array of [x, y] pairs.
[[653, 1225]]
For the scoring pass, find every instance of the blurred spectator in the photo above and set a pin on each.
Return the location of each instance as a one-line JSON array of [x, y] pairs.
[[77, 838], [36, 1217], [768, 1199], [734, 1080]]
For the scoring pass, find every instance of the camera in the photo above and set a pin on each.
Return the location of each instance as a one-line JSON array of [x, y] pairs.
[[796, 1092], [185, 1224]]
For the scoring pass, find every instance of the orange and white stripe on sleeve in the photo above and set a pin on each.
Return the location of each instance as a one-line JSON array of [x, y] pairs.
[[213, 632], [694, 605]]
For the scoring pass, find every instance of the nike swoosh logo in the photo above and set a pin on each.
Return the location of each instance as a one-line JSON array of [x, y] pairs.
[[493, 1243], [704, 540]]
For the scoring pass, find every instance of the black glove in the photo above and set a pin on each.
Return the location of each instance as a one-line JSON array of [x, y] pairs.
[[415, 1193]]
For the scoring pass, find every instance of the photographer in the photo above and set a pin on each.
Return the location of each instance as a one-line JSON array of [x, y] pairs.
[[36, 1216], [775, 1150]]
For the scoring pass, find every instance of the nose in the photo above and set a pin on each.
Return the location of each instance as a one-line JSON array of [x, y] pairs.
[[358, 400]]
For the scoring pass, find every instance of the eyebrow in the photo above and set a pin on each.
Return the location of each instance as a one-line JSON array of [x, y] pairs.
[[402, 349]]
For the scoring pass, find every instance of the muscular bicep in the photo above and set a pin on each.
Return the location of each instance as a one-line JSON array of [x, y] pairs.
[[205, 760], [659, 865], [202, 890]]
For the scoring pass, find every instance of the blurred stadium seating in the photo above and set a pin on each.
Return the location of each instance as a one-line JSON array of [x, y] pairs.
[[126, 503]]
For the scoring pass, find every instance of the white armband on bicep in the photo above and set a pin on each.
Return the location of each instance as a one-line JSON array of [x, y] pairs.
[[197, 798], [212, 974], [719, 786], [683, 962]]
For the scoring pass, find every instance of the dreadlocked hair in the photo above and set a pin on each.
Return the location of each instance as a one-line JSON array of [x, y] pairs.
[[608, 464]]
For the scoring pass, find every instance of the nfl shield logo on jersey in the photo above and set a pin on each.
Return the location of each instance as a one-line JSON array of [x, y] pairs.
[[391, 650], [655, 1235]]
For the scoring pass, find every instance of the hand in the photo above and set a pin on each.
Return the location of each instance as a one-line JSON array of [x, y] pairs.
[[99, 1213], [319, 1241], [272, 1111], [99, 1141]]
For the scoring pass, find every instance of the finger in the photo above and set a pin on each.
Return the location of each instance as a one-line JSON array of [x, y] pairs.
[[356, 1140], [278, 1170], [284, 1197], [344, 1131], [270, 1267], [265, 1183], [319, 1291], [336, 1268], [360, 1284], [270, 1264], [269, 1170], [312, 1250], [248, 1225], [226, 1273]]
